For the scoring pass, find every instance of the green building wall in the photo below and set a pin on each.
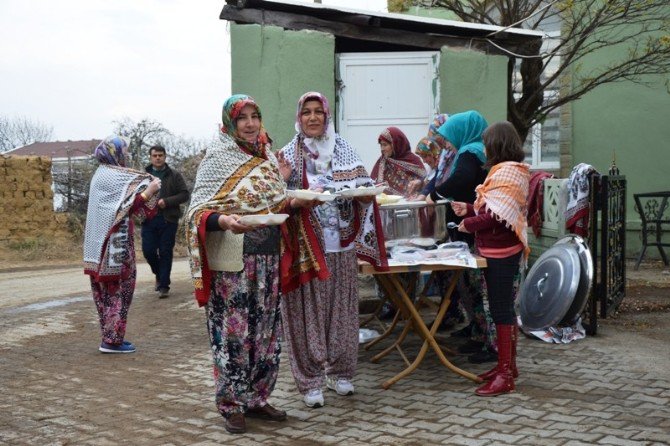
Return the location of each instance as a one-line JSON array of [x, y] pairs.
[[628, 121], [473, 81], [276, 66]]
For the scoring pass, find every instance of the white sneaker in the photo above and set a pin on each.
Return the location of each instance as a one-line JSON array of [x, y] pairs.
[[314, 398], [342, 386]]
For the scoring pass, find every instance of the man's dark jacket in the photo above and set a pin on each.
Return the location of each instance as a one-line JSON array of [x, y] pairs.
[[173, 191]]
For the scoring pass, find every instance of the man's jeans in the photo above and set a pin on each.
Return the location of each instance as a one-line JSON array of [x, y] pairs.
[[158, 238]]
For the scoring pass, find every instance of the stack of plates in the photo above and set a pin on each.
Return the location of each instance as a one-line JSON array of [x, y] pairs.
[[263, 219]]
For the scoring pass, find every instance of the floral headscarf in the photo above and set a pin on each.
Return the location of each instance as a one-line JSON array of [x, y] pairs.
[[433, 143], [438, 148], [428, 146], [231, 110], [436, 124], [112, 150]]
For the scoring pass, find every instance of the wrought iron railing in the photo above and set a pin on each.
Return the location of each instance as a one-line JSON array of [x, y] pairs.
[[607, 242]]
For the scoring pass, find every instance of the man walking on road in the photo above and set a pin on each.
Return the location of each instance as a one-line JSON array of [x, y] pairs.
[[159, 233]]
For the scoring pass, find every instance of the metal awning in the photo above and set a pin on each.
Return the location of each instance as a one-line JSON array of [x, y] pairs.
[[400, 29]]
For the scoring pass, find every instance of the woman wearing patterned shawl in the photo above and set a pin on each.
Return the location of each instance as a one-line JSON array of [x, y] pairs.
[[319, 267], [464, 132], [116, 193], [498, 220], [235, 267], [397, 166]]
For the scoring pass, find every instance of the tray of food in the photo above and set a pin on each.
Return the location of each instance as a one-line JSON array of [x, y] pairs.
[[362, 191], [306, 194], [383, 199]]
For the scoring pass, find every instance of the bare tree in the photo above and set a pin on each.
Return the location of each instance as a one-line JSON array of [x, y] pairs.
[[185, 155], [639, 27], [72, 181], [21, 131], [142, 135]]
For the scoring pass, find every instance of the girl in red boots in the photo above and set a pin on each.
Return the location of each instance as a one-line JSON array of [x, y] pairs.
[[498, 220]]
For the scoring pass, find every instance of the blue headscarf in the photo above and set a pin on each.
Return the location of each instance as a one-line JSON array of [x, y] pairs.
[[464, 132], [112, 150]]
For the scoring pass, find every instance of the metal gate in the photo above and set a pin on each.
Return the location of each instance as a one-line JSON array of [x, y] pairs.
[[607, 240]]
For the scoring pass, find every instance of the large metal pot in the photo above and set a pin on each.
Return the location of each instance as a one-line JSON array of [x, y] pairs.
[[414, 221], [585, 278]]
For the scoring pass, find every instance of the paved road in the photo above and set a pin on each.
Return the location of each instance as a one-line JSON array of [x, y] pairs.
[[55, 388]]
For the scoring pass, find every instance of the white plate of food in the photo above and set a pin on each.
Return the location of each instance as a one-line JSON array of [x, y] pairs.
[[388, 199], [263, 219], [306, 194], [423, 242], [362, 191]]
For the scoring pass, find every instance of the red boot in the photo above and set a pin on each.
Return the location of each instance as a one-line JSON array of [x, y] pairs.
[[488, 376], [503, 381]]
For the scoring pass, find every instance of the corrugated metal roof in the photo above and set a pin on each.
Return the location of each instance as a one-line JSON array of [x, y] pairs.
[[372, 26], [403, 17]]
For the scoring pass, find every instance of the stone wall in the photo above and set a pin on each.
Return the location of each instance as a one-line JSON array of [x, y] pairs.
[[26, 201]]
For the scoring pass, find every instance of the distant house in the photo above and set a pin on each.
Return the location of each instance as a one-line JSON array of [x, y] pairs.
[[58, 151], [64, 156]]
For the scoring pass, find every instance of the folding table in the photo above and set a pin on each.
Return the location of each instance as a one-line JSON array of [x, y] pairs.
[[389, 280]]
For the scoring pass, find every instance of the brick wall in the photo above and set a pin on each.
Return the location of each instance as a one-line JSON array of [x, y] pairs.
[[26, 201]]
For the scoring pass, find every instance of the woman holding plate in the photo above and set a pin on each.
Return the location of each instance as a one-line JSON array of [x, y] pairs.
[[235, 265], [320, 250]]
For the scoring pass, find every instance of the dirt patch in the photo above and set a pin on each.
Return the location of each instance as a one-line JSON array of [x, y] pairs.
[[40, 252], [645, 311], [45, 253], [645, 299]]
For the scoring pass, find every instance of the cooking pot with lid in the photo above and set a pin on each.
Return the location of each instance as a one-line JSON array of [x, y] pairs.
[[414, 221]]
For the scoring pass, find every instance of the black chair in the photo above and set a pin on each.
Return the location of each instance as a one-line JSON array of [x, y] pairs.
[[651, 207]]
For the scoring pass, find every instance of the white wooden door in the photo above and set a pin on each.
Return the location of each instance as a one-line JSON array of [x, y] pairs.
[[379, 90]]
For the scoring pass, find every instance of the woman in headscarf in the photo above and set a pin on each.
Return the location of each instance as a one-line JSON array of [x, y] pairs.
[[319, 266], [464, 132], [116, 193], [235, 267], [438, 154], [397, 166]]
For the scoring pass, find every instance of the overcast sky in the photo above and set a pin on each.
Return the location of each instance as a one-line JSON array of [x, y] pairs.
[[78, 65]]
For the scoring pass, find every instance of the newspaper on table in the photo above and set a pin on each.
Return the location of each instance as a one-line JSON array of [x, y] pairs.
[[452, 253]]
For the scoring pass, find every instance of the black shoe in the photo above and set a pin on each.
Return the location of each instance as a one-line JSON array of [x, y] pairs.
[[483, 356], [447, 324], [163, 293], [470, 347], [464, 332], [387, 312]]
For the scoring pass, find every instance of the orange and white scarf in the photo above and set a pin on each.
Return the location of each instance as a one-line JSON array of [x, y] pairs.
[[505, 194]]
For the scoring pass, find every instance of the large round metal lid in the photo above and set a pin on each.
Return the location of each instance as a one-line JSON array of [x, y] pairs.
[[549, 288], [585, 278]]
